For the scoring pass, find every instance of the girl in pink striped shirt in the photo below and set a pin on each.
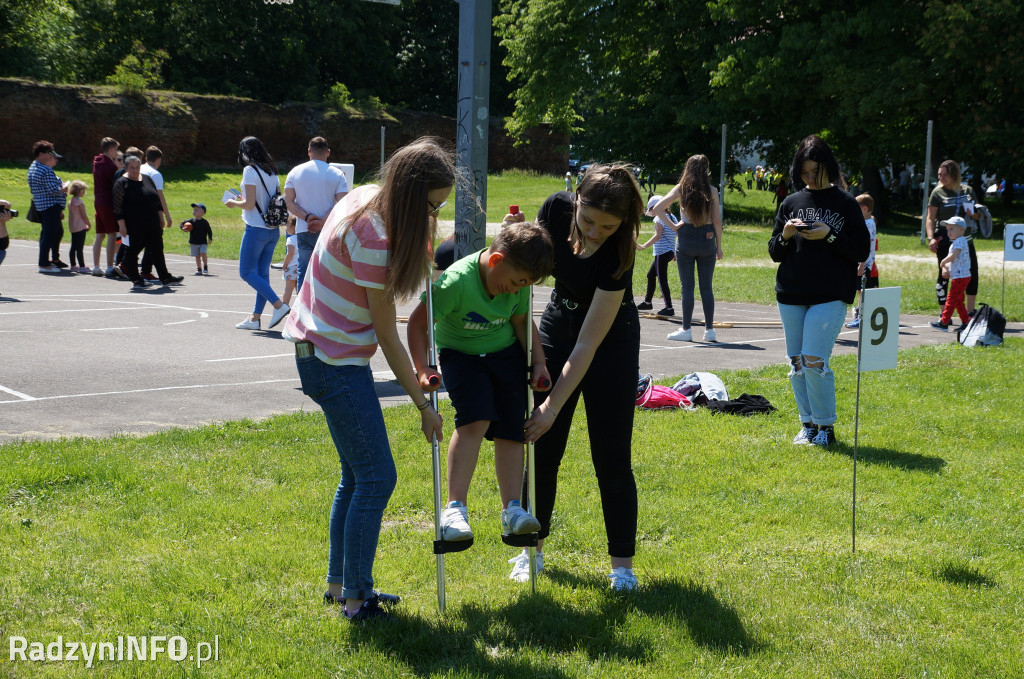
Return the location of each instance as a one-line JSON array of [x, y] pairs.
[[374, 249]]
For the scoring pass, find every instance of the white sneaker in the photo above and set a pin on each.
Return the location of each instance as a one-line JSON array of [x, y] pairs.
[[279, 315], [518, 521], [682, 335], [709, 335], [97, 271], [623, 579], [521, 566], [455, 522], [248, 324]]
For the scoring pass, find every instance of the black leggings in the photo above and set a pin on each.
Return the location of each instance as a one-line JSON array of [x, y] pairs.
[[77, 248], [609, 396], [659, 272], [942, 284]]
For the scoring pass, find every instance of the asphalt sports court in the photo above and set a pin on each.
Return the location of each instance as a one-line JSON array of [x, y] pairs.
[[87, 356]]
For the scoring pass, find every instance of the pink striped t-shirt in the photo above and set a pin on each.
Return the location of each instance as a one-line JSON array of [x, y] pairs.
[[332, 310]]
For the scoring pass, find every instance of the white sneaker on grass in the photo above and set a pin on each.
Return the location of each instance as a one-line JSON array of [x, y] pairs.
[[518, 521], [455, 522], [521, 566], [622, 579]]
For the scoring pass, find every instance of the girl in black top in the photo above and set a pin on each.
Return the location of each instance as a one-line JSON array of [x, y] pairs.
[[591, 337], [819, 238]]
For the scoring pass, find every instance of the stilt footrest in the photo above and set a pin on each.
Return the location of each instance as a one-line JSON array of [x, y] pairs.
[[448, 546], [513, 540]]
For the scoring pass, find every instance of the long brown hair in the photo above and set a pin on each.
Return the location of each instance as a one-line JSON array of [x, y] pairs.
[[406, 178], [695, 193], [612, 189]]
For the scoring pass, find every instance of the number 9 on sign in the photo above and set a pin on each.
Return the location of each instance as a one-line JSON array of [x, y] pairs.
[[879, 343]]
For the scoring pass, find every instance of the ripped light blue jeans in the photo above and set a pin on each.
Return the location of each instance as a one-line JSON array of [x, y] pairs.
[[811, 333]]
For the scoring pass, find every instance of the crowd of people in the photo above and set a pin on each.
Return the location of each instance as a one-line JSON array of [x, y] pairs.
[[353, 255]]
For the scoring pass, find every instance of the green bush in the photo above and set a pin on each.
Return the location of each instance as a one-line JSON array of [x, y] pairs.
[[338, 96], [138, 71]]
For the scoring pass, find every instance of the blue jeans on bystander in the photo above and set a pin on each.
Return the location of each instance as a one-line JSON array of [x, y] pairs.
[[254, 257], [811, 332], [368, 476]]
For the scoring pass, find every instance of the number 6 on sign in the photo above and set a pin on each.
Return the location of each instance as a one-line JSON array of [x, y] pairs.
[[879, 336], [1013, 248]]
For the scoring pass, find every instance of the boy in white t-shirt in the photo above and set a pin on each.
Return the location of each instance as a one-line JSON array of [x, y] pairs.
[[867, 267], [957, 268]]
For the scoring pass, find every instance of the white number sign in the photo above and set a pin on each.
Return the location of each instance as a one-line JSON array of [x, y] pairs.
[[879, 329], [1013, 246]]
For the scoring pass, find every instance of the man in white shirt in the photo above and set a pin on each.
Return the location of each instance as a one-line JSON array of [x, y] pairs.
[[151, 168], [310, 191]]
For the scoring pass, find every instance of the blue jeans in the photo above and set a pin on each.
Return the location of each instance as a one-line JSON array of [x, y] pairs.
[[306, 243], [368, 476], [811, 331], [696, 245], [254, 257]]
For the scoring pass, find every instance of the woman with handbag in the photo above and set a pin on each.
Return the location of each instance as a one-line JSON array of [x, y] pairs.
[[259, 184]]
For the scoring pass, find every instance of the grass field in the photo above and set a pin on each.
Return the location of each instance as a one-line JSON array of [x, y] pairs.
[[219, 534]]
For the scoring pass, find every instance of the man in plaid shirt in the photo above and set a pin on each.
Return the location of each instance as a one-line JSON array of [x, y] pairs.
[[49, 195]]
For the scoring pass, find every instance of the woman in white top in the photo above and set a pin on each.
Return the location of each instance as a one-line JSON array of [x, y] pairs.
[[259, 183]]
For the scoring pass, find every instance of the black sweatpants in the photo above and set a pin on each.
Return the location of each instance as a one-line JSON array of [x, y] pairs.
[[609, 396], [150, 239]]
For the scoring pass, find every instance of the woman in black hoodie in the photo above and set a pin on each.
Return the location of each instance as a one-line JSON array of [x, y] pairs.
[[818, 240]]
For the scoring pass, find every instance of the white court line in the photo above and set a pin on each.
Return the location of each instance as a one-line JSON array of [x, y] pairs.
[[141, 391], [247, 358], [133, 327], [24, 397]]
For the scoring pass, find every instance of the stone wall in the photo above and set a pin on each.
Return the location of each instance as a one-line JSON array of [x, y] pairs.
[[205, 130]]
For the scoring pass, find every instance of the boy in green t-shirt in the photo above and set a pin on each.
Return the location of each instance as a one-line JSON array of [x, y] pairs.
[[481, 317]]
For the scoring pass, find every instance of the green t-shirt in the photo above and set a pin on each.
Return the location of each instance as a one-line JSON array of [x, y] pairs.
[[469, 320]]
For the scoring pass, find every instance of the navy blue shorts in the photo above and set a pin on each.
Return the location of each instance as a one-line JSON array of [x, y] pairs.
[[491, 387]]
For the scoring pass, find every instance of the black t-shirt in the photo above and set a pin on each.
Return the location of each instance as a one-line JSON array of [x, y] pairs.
[[816, 271], [201, 232], [577, 278], [137, 202]]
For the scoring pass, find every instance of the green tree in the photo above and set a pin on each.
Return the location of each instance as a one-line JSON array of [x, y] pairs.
[[624, 78], [37, 40]]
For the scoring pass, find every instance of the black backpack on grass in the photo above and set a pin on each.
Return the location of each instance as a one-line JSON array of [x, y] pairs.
[[985, 328]]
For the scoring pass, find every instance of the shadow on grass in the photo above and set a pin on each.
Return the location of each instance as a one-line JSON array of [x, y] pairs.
[[963, 575], [505, 642], [894, 458], [712, 625]]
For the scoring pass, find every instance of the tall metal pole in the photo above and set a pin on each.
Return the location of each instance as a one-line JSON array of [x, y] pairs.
[[924, 189], [382, 146], [721, 188], [472, 125]]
